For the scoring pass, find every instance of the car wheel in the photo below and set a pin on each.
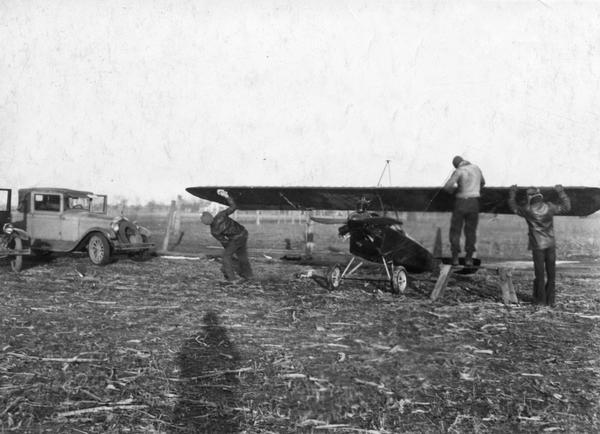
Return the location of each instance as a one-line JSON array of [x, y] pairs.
[[399, 281], [334, 277], [99, 250], [16, 262]]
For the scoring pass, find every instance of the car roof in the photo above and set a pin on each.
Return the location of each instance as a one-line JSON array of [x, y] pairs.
[[74, 193]]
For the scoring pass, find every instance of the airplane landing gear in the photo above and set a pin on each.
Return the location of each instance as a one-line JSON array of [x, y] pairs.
[[399, 280], [334, 277], [395, 275]]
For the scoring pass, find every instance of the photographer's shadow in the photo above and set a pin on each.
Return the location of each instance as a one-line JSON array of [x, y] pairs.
[[208, 381]]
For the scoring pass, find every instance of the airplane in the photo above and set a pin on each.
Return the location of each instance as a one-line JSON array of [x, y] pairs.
[[381, 239]]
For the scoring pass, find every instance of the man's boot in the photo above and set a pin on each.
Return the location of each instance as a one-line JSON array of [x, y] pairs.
[[469, 260], [454, 258]]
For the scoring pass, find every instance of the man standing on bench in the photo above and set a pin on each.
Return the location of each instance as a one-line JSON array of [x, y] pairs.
[[466, 183]]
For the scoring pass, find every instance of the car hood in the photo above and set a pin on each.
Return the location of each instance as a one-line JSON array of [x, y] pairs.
[[90, 218]]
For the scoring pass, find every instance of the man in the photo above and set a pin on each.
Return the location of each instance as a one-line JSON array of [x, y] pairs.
[[232, 235], [361, 212], [466, 183], [539, 217]]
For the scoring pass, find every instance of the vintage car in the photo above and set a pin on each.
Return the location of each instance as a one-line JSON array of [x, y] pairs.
[[63, 220], [14, 242]]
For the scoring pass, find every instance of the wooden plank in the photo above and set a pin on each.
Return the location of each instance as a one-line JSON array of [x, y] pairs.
[[506, 286], [442, 282], [437, 246]]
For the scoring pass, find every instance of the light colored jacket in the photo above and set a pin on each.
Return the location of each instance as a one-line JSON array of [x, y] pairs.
[[467, 180]]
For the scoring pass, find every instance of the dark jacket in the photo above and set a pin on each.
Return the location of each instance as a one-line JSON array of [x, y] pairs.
[[539, 217], [223, 227]]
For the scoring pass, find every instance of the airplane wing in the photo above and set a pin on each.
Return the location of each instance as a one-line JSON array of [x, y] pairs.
[[494, 200]]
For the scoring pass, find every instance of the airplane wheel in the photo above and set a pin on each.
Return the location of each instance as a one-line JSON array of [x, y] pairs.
[[399, 281], [334, 277]]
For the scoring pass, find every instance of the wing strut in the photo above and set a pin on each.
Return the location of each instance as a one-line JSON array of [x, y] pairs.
[[292, 204]]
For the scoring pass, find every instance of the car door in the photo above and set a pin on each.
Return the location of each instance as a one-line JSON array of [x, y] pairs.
[[4, 206], [70, 227], [44, 220]]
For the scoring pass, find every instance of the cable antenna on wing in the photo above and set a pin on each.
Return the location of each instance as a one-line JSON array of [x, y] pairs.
[[386, 167], [438, 192], [292, 204]]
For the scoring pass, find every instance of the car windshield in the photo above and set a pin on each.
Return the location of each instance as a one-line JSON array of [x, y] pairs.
[[98, 204], [93, 203], [78, 203]]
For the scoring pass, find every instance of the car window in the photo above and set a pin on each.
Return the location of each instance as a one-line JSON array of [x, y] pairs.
[[98, 204], [47, 202]]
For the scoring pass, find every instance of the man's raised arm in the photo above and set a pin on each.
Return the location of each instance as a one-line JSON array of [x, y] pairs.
[[512, 200], [230, 201], [564, 204]]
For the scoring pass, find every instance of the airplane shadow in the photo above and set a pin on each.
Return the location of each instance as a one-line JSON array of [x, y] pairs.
[[208, 386]]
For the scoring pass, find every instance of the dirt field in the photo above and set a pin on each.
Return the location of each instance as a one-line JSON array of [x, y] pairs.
[[166, 346]]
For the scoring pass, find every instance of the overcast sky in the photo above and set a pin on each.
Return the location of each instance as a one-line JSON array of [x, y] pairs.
[[144, 98]]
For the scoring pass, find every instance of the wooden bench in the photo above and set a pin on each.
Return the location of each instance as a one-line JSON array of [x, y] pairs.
[[506, 285]]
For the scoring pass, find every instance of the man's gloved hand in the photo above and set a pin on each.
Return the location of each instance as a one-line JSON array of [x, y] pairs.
[[559, 188], [222, 193]]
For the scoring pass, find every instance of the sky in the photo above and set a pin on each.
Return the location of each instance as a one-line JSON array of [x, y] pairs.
[[141, 99]]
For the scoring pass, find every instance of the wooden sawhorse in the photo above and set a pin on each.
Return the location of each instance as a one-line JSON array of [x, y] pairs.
[[506, 285]]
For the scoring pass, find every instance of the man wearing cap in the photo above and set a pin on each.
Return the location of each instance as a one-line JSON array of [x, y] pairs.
[[362, 212], [232, 235], [539, 216], [466, 183]]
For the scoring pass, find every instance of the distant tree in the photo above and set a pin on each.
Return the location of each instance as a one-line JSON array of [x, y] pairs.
[[151, 206]]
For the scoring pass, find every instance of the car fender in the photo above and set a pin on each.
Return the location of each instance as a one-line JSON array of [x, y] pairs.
[[108, 233], [144, 231], [20, 233]]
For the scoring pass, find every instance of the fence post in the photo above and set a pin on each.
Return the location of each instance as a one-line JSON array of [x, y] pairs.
[[165, 245], [177, 217], [310, 237]]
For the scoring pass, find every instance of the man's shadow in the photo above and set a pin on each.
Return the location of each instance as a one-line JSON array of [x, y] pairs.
[[208, 386]]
